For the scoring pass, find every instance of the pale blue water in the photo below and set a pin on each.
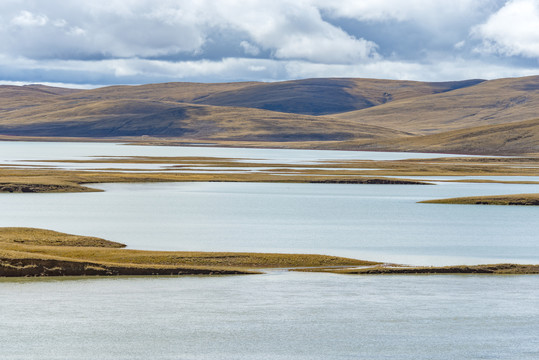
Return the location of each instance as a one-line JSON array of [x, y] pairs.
[[374, 222], [279, 315], [20, 150], [274, 316]]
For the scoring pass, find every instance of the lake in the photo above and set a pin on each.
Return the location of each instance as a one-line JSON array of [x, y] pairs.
[[279, 315]]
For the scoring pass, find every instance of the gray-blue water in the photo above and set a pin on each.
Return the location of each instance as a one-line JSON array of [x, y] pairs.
[[275, 316], [373, 222], [21, 150], [279, 315]]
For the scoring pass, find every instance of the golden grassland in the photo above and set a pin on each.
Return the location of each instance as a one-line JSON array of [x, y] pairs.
[[513, 199], [42, 237], [38, 252]]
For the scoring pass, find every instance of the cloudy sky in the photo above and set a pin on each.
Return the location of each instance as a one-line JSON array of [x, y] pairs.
[[103, 42]]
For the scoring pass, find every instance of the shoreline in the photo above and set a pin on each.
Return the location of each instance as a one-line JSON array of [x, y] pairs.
[[33, 179], [516, 199], [393, 269], [331, 145]]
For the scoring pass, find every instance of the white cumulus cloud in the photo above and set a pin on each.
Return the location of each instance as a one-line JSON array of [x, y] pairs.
[[513, 30], [26, 18], [140, 41]]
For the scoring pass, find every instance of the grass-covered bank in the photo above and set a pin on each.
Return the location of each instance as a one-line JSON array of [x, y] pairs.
[[38, 252]]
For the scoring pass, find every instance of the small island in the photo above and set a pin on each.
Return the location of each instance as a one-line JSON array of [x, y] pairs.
[[516, 199]]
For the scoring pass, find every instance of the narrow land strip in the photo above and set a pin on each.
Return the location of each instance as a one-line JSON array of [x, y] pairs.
[[39, 252], [196, 169], [514, 199], [493, 269]]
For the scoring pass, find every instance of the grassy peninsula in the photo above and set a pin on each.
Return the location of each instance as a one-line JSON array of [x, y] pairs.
[[39, 252], [515, 199]]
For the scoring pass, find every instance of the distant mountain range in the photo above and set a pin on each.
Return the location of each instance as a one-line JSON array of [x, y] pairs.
[[472, 116]]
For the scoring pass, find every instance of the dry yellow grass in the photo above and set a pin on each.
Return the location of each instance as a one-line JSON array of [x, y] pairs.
[[41, 237]]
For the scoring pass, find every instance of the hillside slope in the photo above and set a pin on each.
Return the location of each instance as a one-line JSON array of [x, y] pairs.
[[502, 139], [472, 116], [326, 96], [16, 97], [308, 96], [120, 118], [488, 103]]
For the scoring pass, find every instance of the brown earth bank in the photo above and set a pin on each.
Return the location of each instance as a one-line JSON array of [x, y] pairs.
[[514, 199], [42, 188], [25, 267], [39, 252]]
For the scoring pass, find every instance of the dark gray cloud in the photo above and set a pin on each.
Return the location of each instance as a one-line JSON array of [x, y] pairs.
[[104, 42]]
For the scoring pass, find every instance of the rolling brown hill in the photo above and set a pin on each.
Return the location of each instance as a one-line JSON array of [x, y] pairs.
[[326, 96], [474, 116], [502, 139], [120, 118], [308, 96], [16, 97], [488, 103]]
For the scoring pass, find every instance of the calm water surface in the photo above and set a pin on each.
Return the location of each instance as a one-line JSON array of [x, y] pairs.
[[279, 315], [375, 222], [274, 316], [17, 152]]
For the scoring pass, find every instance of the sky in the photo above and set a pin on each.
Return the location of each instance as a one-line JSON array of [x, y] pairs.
[[95, 43]]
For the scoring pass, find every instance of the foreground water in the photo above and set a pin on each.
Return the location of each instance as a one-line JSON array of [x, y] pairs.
[[275, 316]]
